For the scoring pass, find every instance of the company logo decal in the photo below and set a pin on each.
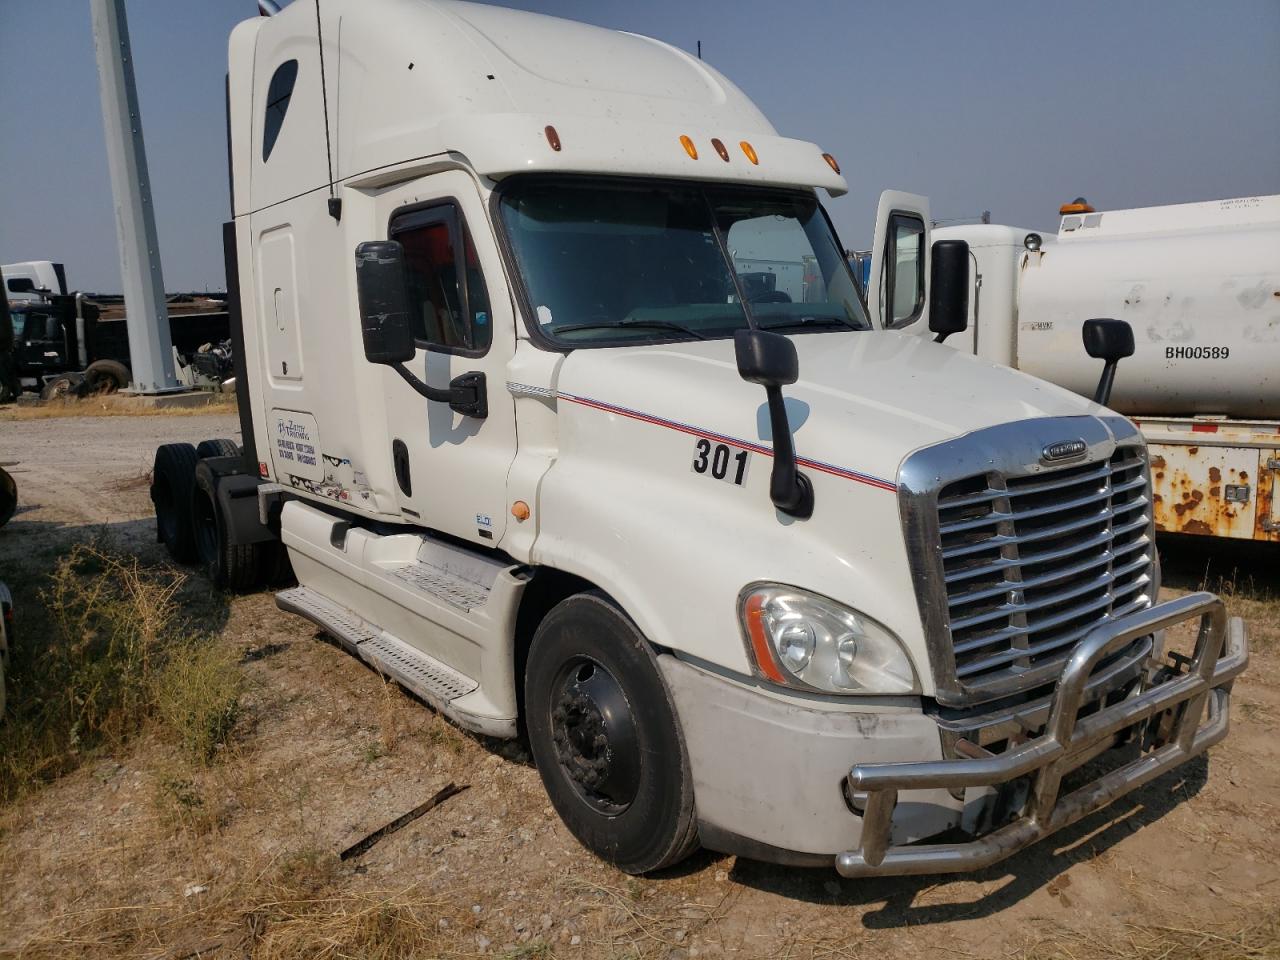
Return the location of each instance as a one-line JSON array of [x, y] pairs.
[[1063, 450]]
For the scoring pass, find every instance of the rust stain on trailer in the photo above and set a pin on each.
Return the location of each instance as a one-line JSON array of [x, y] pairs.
[[1188, 491], [1268, 525]]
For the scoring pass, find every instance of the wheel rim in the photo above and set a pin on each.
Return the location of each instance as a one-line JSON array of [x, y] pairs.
[[595, 736]]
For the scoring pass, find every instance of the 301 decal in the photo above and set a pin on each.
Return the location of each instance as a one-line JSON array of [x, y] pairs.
[[721, 461]]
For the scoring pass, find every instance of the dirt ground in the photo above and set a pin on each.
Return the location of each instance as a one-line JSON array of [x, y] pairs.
[[135, 854]]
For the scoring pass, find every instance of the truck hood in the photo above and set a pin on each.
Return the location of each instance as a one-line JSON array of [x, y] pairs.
[[862, 403]]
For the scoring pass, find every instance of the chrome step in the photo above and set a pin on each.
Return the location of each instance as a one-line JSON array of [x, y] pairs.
[[426, 676], [430, 579], [411, 668], [334, 619]]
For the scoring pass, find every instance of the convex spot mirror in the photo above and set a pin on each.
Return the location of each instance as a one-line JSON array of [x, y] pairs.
[[384, 302], [949, 288]]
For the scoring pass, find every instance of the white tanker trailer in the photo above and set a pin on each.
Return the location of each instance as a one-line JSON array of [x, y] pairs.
[[1199, 283]]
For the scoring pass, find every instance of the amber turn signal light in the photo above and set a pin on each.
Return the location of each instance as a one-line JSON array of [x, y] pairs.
[[689, 148], [553, 138], [831, 162], [750, 152]]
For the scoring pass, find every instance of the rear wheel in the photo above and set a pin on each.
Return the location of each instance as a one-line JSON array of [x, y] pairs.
[[605, 737], [106, 376], [233, 566], [217, 448], [172, 480]]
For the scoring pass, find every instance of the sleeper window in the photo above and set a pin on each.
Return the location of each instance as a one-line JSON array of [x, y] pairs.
[[279, 92], [450, 308]]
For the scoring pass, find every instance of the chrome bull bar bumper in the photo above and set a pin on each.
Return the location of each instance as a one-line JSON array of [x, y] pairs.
[[1200, 698]]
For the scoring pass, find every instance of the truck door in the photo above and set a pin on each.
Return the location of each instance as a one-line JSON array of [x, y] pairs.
[[451, 469], [896, 289]]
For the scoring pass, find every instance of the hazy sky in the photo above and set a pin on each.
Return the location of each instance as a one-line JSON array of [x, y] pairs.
[[1012, 107]]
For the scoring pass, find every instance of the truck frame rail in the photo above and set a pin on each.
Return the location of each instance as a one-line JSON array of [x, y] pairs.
[[1202, 693]]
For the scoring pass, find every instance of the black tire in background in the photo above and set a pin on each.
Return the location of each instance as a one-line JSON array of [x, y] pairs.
[[8, 496], [173, 477], [62, 386], [217, 448], [606, 739], [106, 376], [234, 567]]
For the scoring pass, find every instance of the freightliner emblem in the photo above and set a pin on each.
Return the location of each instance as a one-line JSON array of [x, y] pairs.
[[1063, 450]]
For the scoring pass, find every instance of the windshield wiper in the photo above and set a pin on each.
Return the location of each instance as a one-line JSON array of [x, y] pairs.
[[655, 324], [807, 322]]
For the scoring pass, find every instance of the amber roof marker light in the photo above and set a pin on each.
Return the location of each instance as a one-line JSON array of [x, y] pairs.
[[831, 162], [553, 138], [720, 148], [1078, 205], [689, 148], [750, 153]]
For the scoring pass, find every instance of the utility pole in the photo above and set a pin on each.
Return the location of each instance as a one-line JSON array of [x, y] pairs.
[[150, 346]]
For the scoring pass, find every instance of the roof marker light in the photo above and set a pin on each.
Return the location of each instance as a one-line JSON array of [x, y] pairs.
[[553, 138], [689, 148], [1078, 205], [720, 148], [750, 152], [831, 162]]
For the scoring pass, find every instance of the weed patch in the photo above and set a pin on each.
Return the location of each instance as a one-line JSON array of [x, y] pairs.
[[102, 652]]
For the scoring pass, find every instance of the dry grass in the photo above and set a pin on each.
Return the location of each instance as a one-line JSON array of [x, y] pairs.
[[1256, 941], [114, 405], [114, 655]]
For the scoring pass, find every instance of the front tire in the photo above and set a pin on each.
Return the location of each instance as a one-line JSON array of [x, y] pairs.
[[606, 739]]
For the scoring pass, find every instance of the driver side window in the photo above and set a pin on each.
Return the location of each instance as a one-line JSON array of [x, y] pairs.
[[902, 284], [447, 297]]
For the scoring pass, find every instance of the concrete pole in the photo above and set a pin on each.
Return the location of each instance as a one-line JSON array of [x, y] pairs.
[[150, 347]]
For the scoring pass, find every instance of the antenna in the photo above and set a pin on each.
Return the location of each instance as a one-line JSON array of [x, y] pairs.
[[699, 49], [335, 204]]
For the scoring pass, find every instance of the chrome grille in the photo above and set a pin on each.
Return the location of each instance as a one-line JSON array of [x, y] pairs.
[[1031, 563]]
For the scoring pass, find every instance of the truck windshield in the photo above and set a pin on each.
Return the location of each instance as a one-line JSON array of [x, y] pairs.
[[611, 263]]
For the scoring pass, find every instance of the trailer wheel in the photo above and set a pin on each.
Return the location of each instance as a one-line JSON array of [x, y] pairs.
[[106, 376], [172, 480], [230, 566], [605, 737], [217, 448]]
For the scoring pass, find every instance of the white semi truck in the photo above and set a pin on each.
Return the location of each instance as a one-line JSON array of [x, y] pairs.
[[1200, 285], [747, 570]]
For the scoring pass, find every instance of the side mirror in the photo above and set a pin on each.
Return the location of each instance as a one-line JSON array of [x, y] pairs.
[[949, 289], [384, 302], [1109, 341], [770, 360], [383, 290]]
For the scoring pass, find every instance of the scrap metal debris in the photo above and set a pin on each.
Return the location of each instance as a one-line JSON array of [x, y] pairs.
[[360, 846]]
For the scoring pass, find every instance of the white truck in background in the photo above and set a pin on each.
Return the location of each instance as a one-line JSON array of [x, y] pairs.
[[30, 281], [514, 308], [1199, 283]]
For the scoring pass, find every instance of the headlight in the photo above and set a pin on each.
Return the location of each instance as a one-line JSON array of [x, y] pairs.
[[800, 639]]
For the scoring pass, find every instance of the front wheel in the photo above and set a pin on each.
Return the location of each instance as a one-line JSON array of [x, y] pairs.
[[605, 737]]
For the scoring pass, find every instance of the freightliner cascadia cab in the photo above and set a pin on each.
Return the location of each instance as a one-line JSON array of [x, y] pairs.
[[558, 391]]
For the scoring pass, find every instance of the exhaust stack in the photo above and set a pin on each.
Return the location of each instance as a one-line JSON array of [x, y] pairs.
[[268, 8]]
